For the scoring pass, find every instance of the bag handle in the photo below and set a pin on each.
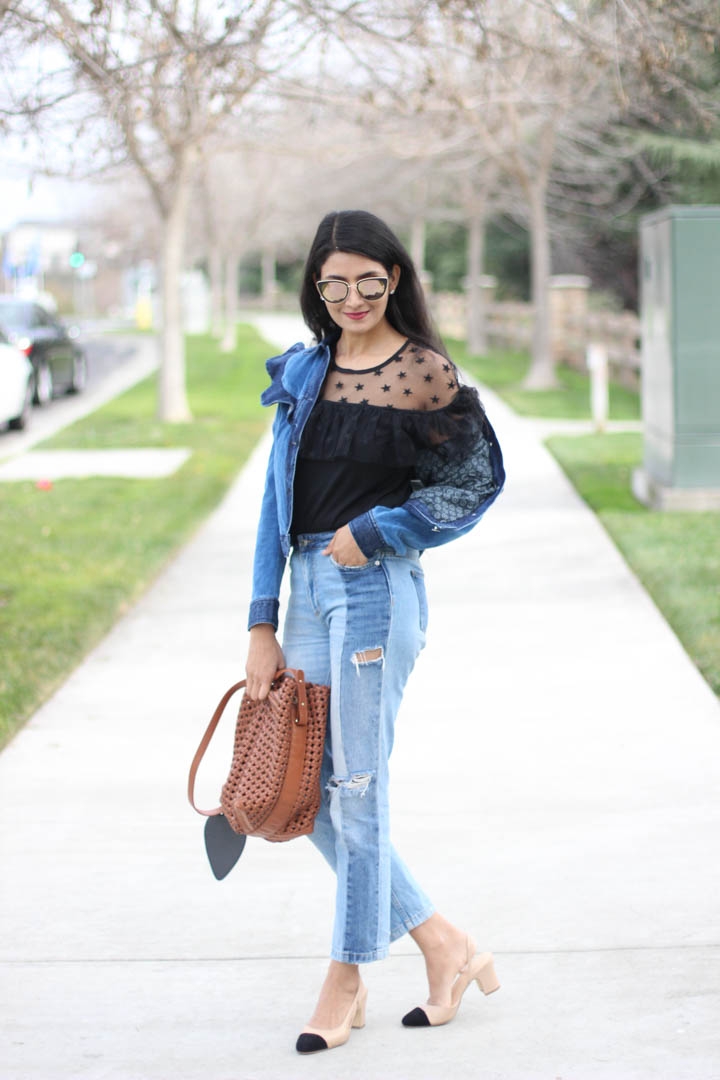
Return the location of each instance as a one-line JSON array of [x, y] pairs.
[[300, 721]]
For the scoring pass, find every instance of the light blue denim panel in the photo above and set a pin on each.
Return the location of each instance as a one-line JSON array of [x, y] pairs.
[[364, 626]]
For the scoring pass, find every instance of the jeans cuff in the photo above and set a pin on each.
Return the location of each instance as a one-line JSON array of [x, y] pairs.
[[409, 923], [359, 957]]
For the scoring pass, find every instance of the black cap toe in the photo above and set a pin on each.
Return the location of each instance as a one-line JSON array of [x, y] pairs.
[[308, 1043], [416, 1018]]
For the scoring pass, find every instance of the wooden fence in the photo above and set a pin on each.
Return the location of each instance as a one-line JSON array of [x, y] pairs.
[[509, 324]]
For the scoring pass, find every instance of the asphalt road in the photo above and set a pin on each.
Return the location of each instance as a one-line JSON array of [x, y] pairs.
[[114, 363]]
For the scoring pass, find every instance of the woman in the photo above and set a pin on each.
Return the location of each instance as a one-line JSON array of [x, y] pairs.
[[378, 453]]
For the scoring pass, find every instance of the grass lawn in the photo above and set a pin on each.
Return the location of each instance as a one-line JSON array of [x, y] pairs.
[[76, 556], [504, 371], [675, 555]]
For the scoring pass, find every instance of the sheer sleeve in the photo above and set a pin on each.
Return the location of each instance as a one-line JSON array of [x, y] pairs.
[[413, 401], [414, 378]]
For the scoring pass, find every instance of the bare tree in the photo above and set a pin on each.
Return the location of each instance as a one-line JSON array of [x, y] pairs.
[[252, 198], [523, 85], [152, 83], [540, 85]]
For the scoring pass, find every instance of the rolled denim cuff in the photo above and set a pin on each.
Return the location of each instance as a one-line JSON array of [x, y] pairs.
[[366, 534], [264, 611]]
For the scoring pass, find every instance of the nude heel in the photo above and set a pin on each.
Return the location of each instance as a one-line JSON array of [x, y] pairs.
[[359, 1020], [479, 968], [313, 1039], [486, 978]]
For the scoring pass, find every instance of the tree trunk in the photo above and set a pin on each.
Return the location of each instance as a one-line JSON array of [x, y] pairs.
[[214, 252], [229, 340], [215, 267], [173, 404], [475, 297], [417, 243], [268, 269], [541, 375]]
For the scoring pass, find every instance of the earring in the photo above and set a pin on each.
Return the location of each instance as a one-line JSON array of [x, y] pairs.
[[392, 291]]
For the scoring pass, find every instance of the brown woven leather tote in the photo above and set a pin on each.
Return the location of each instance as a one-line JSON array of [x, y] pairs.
[[273, 788]]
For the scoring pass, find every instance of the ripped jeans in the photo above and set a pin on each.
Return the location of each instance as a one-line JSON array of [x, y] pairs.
[[360, 630]]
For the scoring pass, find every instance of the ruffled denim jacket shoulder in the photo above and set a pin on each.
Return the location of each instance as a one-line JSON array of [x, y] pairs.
[[450, 497]]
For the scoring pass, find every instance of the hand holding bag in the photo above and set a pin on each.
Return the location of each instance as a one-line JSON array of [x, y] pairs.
[[273, 788]]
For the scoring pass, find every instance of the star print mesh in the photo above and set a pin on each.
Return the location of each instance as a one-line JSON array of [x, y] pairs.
[[365, 435], [413, 378]]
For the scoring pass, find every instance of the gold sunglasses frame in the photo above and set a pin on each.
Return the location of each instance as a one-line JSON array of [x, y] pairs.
[[355, 285]]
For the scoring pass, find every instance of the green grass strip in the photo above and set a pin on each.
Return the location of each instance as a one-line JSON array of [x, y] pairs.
[[503, 371], [77, 556], [675, 555]]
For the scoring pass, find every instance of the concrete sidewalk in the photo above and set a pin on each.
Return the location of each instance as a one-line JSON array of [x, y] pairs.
[[556, 789]]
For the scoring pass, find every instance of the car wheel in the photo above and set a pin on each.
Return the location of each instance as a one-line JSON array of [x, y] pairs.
[[79, 375], [18, 423], [43, 385]]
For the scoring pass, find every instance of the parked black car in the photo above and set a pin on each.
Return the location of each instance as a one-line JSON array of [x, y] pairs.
[[58, 360]]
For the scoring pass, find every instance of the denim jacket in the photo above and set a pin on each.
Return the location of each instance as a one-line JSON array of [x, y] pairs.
[[449, 498]]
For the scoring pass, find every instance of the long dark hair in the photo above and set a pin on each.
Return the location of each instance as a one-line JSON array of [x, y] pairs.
[[359, 232]]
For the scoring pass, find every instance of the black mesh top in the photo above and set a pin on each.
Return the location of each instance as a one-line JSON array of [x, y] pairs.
[[362, 438]]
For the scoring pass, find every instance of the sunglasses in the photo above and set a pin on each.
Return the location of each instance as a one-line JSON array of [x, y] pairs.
[[369, 288]]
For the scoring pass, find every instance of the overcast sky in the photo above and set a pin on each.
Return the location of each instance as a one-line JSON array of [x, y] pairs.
[[50, 200]]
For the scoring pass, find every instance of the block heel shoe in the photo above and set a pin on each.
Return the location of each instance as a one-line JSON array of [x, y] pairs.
[[479, 968], [313, 1039]]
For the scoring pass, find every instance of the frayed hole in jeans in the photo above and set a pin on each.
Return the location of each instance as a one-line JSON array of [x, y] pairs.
[[356, 784], [368, 656]]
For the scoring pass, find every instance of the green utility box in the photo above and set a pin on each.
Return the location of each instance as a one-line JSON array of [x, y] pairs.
[[680, 318]]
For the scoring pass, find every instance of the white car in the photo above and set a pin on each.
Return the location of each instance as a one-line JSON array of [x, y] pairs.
[[17, 385]]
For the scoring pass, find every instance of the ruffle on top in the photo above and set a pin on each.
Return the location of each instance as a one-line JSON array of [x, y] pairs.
[[392, 436]]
